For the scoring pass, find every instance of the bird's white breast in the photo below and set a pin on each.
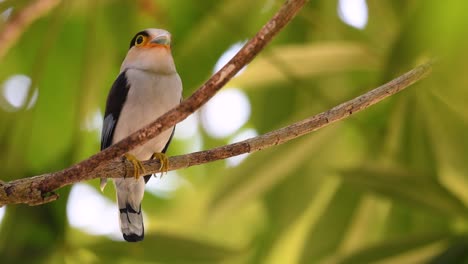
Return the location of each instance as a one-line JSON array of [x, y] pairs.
[[150, 95]]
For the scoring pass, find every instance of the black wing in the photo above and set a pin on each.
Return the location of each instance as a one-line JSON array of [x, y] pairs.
[[115, 101]]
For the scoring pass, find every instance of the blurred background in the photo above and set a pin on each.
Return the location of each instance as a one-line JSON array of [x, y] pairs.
[[388, 185]]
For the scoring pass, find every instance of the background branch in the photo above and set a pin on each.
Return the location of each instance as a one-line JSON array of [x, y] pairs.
[[17, 24], [30, 190]]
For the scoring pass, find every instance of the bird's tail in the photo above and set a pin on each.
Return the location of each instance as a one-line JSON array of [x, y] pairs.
[[131, 223], [129, 197]]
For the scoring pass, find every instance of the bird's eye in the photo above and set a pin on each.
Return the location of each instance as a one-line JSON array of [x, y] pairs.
[[140, 40]]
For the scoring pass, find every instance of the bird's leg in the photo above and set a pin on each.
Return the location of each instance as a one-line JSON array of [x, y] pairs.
[[163, 160], [138, 168]]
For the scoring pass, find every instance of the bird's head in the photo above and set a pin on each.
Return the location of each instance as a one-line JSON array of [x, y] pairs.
[[150, 50]]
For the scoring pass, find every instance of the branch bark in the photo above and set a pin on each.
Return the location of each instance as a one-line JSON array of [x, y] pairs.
[[31, 190]]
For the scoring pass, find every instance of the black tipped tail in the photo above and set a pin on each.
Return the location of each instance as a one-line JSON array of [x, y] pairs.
[[133, 237], [131, 224]]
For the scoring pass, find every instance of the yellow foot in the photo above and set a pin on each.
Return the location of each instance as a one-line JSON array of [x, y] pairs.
[[138, 168], [163, 160]]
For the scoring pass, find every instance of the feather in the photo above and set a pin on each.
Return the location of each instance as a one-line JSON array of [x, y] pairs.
[[147, 87], [115, 102]]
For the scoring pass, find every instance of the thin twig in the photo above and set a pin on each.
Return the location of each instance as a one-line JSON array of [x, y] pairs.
[[17, 24], [27, 190]]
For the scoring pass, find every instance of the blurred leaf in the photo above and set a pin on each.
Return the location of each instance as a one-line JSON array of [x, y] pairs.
[[457, 252], [403, 220], [284, 207], [166, 248], [325, 236], [57, 120], [407, 186], [393, 248], [281, 64], [447, 133], [262, 100], [263, 172]]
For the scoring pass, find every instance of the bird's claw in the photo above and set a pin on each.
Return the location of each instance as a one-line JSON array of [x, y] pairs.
[[138, 168], [163, 160]]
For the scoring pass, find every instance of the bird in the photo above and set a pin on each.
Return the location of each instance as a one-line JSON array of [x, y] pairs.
[[147, 86]]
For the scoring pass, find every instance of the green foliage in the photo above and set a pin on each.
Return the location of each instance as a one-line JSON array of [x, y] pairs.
[[388, 185]]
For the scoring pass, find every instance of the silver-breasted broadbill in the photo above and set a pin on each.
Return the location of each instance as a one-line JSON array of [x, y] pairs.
[[148, 86]]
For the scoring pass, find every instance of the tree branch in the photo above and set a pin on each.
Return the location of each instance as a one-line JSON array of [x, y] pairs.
[[32, 188]]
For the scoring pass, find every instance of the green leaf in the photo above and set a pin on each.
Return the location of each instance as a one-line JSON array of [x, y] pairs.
[[259, 174], [448, 127], [393, 248], [282, 63], [326, 235], [284, 207], [407, 186], [164, 247], [457, 252]]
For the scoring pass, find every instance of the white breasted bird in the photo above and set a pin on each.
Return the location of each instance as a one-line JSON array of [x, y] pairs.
[[148, 86]]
